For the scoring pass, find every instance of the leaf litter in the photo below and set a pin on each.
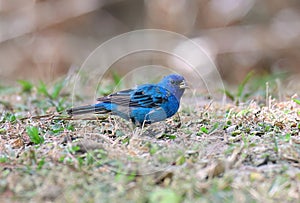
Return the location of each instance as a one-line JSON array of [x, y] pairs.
[[214, 153]]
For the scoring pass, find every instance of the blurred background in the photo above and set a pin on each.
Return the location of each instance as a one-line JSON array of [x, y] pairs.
[[46, 39]]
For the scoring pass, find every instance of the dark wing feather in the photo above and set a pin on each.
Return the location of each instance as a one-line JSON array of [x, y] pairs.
[[147, 96], [121, 97]]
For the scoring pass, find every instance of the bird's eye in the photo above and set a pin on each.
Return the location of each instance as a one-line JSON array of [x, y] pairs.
[[172, 82]]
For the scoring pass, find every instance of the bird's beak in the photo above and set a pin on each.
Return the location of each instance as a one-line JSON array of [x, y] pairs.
[[183, 85]]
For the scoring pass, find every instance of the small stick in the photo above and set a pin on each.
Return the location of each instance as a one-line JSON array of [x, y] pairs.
[[267, 95], [57, 117]]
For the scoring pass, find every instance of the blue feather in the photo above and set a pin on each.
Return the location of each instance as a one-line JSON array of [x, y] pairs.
[[146, 103]]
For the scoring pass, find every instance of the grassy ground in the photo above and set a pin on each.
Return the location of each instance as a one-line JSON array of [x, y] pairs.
[[214, 153]]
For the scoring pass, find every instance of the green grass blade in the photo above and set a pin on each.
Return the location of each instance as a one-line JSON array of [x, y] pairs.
[[57, 89], [42, 89], [241, 87], [26, 85], [116, 77], [33, 134], [229, 94], [297, 101]]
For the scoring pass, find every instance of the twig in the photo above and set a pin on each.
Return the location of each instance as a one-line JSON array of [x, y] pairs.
[[57, 117]]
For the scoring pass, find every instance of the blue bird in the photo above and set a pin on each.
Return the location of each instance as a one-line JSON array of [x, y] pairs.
[[145, 104]]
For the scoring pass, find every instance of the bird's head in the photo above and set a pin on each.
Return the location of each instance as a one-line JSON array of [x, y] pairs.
[[175, 83]]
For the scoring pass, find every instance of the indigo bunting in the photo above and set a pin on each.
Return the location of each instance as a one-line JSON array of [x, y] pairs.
[[145, 104]]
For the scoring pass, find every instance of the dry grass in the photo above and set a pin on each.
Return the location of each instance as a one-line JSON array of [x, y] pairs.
[[215, 153]]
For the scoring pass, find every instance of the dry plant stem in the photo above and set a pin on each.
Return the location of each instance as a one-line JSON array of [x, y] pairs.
[[267, 95], [56, 117]]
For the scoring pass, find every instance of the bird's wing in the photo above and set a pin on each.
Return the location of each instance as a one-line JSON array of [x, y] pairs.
[[147, 96]]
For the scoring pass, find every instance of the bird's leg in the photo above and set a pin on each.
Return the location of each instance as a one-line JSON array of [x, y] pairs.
[[143, 125], [133, 130], [132, 126], [179, 120], [169, 127]]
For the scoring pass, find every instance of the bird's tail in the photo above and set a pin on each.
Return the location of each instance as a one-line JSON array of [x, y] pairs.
[[87, 109]]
